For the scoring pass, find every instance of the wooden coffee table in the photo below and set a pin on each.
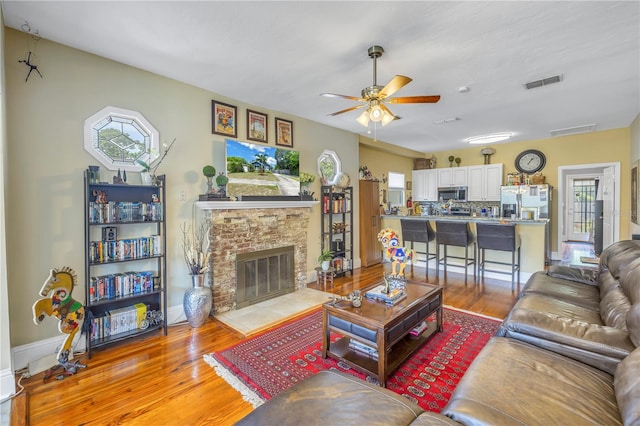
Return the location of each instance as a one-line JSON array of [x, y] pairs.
[[381, 327]]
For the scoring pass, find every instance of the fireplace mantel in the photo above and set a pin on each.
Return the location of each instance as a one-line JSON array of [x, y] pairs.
[[235, 205]]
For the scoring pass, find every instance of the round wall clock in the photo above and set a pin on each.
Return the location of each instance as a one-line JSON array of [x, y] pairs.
[[530, 161]]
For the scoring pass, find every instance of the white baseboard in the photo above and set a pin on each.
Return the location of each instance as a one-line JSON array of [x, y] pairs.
[[31, 352], [175, 314], [7, 383], [36, 351]]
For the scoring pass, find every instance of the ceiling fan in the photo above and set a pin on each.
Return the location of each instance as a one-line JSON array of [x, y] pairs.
[[375, 97]]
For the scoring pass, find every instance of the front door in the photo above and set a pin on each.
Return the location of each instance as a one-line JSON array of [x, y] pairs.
[[581, 199]]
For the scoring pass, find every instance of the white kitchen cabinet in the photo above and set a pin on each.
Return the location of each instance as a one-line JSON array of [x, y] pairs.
[[452, 176], [425, 185], [484, 182]]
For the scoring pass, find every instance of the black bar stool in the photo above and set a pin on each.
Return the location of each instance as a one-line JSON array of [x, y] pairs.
[[456, 234], [501, 237], [418, 231]]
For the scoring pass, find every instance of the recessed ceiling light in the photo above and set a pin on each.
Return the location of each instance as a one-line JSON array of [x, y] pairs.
[[543, 82], [447, 120], [573, 130], [492, 138]]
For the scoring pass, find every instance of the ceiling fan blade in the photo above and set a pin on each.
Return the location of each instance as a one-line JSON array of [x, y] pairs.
[[396, 83], [349, 109], [414, 100], [333, 95]]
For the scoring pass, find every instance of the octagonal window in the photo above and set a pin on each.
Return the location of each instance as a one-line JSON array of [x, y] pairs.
[[118, 137], [329, 167]]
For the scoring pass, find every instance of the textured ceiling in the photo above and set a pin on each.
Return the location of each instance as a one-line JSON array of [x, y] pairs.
[[282, 55]]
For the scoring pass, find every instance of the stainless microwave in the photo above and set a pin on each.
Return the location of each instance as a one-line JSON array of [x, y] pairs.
[[454, 193]]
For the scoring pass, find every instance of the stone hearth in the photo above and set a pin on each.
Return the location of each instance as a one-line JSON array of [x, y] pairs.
[[237, 231]]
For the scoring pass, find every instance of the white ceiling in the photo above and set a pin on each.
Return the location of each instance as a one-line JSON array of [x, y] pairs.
[[282, 55]]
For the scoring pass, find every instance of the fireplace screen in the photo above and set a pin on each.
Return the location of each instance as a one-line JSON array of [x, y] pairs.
[[263, 275]]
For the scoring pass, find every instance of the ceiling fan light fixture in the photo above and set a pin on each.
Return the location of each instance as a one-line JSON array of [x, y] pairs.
[[364, 118], [492, 138], [387, 118], [376, 113]]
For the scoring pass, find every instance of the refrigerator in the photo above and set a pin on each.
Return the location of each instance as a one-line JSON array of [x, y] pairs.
[[526, 201]]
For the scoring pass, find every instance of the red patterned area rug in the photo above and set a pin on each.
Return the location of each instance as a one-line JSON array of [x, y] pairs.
[[263, 366]]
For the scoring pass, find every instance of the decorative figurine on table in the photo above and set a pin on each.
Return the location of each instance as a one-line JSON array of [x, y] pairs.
[[355, 297], [57, 301], [401, 256]]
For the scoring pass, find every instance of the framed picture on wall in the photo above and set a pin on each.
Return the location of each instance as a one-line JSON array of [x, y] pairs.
[[224, 119], [284, 132], [256, 126]]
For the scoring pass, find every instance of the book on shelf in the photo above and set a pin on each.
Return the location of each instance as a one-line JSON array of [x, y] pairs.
[[361, 348], [417, 330], [124, 211], [125, 249], [339, 203], [394, 296], [112, 286], [118, 321]]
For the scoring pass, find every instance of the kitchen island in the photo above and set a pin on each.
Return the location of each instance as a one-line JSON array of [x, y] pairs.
[[534, 236]]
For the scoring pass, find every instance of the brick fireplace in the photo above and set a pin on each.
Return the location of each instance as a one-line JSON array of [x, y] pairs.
[[240, 227]]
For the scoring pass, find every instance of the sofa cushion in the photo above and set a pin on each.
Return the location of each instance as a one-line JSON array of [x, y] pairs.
[[606, 282], [511, 382], [568, 329], [627, 386], [617, 257], [579, 275], [576, 292], [332, 397], [614, 307]]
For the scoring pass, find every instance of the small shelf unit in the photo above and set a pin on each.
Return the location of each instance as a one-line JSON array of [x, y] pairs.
[[337, 227], [125, 261]]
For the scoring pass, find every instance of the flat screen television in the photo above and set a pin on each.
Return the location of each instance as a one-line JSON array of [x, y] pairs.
[[261, 170]]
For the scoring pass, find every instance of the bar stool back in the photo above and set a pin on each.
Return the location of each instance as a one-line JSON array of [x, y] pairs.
[[418, 231], [499, 237], [456, 234]]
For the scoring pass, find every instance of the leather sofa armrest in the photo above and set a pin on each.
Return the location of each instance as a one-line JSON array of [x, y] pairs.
[[584, 276]]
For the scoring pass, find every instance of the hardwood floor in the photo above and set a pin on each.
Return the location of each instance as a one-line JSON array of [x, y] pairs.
[[164, 380]]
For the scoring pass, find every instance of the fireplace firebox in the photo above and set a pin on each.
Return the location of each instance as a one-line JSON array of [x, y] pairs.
[[264, 274]]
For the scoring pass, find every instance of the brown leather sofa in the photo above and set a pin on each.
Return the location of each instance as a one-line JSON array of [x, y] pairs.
[[588, 375], [594, 318]]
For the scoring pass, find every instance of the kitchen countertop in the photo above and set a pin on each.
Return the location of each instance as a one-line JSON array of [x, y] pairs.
[[469, 219]]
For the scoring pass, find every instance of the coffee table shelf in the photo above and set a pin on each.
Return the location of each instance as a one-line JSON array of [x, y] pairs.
[[400, 352], [384, 328]]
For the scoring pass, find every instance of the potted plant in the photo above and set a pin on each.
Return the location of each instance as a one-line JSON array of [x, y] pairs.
[[222, 182], [325, 259], [209, 172], [148, 173], [305, 180]]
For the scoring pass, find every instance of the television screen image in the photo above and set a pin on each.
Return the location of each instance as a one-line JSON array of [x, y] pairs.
[[259, 170]]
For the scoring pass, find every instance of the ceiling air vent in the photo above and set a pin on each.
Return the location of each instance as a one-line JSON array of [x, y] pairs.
[[543, 82], [573, 130]]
